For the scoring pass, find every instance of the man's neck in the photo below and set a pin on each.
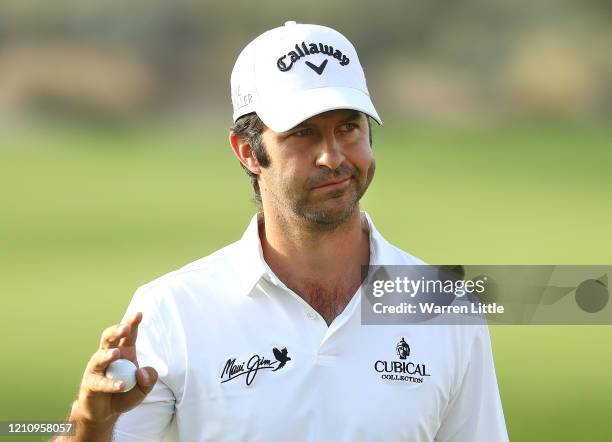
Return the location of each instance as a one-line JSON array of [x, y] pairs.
[[303, 257]]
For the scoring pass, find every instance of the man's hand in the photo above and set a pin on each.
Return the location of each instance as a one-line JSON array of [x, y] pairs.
[[100, 400]]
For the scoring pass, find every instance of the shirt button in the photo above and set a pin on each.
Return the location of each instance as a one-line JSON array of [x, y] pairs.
[[311, 315]]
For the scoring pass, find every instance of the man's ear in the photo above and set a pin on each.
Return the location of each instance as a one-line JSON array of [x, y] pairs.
[[243, 151]]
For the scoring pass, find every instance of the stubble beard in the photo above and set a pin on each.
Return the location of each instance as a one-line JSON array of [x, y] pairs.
[[320, 218]]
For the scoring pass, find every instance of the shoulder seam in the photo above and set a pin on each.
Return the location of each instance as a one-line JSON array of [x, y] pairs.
[[208, 261]]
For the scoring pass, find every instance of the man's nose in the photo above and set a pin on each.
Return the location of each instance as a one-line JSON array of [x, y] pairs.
[[331, 154]]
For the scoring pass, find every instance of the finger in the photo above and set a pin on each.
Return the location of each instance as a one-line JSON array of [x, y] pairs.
[[101, 359], [113, 334], [146, 378], [128, 352], [96, 383], [133, 321]]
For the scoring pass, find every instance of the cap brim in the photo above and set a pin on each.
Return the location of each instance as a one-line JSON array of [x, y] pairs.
[[283, 113]]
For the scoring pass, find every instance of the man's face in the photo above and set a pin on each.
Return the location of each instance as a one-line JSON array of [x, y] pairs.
[[402, 352], [320, 169]]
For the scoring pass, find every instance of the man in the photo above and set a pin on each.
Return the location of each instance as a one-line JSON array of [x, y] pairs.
[[263, 340]]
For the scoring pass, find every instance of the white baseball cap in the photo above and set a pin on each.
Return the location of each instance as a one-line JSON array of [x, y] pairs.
[[293, 72]]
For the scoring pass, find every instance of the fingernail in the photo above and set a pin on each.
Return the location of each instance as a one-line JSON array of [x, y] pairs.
[[118, 385], [110, 353]]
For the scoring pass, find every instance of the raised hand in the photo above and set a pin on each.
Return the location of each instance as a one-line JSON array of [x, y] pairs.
[[100, 400]]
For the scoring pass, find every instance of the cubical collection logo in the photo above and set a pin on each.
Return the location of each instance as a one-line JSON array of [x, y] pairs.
[[234, 368], [401, 370]]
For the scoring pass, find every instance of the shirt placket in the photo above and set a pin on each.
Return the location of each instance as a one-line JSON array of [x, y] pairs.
[[322, 334]]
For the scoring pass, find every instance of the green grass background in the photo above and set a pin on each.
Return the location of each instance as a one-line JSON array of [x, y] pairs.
[[89, 214]]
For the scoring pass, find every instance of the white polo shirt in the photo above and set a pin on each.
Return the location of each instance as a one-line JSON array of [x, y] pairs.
[[241, 357]]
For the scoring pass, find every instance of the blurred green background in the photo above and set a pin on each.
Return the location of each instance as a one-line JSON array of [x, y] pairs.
[[115, 169]]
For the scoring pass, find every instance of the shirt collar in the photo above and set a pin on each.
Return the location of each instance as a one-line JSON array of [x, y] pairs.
[[253, 266]]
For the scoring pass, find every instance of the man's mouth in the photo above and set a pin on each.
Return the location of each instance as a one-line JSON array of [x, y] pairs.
[[334, 183]]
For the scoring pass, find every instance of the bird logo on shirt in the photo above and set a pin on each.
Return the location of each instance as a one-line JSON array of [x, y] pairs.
[[281, 356]]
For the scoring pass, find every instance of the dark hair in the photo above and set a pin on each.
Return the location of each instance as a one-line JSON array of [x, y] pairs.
[[250, 127]]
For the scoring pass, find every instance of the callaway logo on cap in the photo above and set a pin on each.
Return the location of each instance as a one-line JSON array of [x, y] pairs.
[[296, 71]]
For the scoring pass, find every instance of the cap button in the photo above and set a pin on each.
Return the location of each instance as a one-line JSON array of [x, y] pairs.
[[290, 23]]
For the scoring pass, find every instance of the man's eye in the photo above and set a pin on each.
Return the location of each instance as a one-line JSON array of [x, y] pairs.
[[350, 126], [302, 132]]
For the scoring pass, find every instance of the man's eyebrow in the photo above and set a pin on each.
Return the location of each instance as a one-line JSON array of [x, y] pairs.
[[354, 115], [302, 124]]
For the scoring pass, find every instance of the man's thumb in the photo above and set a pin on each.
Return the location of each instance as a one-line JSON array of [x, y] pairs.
[[146, 377]]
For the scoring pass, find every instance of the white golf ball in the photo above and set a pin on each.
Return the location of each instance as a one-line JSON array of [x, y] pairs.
[[122, 370]]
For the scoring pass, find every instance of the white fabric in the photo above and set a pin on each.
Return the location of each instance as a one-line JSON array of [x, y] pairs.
[[291, 73], [230, 305]]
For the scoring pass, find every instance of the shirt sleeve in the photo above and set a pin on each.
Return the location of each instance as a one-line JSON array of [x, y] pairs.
[[152, 420], [475, 413]]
